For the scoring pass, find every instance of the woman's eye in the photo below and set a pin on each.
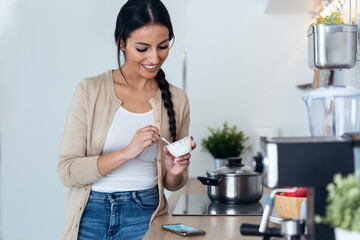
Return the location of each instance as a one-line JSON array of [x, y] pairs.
[[164, 47], [141, 50]]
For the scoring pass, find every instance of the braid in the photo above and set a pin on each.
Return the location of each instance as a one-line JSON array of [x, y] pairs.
[[166, 97]]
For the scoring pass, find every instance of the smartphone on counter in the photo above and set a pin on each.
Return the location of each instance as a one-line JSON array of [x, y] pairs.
[[183, 230]]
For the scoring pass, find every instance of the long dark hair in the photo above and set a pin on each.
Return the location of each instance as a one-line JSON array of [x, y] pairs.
[[136, 14]]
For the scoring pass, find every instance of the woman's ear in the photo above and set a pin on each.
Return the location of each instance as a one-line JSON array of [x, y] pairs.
[[122, 45]]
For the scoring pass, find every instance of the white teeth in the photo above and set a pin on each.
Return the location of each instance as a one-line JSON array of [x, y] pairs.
[[149, 66]]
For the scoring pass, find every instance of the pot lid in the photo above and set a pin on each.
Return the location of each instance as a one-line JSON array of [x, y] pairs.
[[233, 168]]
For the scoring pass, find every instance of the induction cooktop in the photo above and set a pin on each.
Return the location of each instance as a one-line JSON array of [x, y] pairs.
[[200, 205]]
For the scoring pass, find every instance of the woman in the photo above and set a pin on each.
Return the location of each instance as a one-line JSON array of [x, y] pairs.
[[112, 157]]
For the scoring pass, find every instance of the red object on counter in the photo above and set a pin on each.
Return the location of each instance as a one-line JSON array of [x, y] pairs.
[[300, 192]]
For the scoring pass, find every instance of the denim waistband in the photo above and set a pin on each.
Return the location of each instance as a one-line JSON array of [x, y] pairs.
[[123, 196]]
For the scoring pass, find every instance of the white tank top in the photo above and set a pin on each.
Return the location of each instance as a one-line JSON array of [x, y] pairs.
[[136, 174]]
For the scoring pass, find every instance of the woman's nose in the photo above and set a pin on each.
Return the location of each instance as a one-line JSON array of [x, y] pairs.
[[154, 56]]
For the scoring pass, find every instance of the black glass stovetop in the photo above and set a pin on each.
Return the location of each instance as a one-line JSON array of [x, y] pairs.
[[200, 204]]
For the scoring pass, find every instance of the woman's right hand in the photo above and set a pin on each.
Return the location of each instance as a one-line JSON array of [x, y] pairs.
[[144, 137]]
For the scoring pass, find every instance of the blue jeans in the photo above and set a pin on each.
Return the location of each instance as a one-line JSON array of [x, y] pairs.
[[118, 215]]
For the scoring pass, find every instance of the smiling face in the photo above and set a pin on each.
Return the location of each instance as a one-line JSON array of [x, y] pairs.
[[145, 51]]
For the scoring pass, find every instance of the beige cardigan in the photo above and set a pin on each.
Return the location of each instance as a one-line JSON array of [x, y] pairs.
[[89, 118]]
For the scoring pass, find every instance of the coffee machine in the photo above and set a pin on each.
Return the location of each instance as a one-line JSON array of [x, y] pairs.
[[309, 162], [312, 162]]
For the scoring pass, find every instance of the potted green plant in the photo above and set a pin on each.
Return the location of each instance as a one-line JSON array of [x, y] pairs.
[[343, 209], [324, 37], [224, 143]]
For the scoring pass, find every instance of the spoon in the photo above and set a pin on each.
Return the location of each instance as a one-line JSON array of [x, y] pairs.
[[162, 138]]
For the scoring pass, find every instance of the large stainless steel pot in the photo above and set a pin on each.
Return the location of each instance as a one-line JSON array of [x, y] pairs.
[[233, 183]]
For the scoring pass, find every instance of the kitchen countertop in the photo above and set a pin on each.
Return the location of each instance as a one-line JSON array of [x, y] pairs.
[[216, 227]]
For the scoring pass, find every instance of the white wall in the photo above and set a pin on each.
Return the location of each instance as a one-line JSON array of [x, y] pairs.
[[240, 72], [46, 48], [243, 67]]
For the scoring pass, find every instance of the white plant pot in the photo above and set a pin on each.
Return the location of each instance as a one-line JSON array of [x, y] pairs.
[[341, 234]]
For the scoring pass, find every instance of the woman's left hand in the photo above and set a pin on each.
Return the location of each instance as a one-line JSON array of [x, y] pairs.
[[176, 166]]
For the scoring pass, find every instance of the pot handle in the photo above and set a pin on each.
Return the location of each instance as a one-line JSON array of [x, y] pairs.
[[210, 181]]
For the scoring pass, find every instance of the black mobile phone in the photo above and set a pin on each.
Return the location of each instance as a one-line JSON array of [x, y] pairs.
[[183, 230]]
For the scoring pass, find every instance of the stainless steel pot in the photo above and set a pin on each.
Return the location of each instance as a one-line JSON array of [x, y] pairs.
[[233, 183], [332, 46]]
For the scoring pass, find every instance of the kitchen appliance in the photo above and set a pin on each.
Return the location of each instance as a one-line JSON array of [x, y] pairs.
[[291, 229], [200, 205], [310, 162], [233, 183], [333, 110]]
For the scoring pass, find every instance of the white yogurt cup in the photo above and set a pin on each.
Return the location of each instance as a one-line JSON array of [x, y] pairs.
[[181, 147]]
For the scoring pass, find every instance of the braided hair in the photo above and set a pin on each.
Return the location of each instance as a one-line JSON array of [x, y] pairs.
[[136, 14], [166, 97]]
